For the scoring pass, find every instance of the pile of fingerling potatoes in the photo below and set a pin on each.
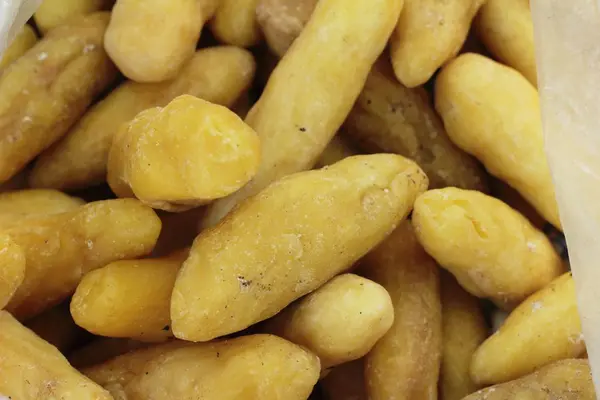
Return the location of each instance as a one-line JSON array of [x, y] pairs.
[[280, 200]]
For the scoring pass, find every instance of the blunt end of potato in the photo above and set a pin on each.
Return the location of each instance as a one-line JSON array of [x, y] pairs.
[[183, 155]]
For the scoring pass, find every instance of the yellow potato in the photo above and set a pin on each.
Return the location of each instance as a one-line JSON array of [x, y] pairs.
[[53, 13], [544, 328], [45, 91], [492, 250], [562, 380], [405, 363], [393, 118], [339, 322], [493, 112], [345, 382], [257, 367], [23, 41], [56, 326], [305, 229], [103, 349], [150, 40], [32, 369], [183, 155], [34, 203], [337, 149], [282, 21], [312, 89], [128, 298], [235, 23], [463, 330], [12, 268], [506, 29], [218, 74], [60, 248], [429, 33]]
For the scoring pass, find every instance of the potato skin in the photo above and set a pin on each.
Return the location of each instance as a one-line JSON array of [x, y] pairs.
[[46, 90], [463, 330], [405, 363], [261, 366], [506, 29], [282, 21], [18, 205], [544, 328], [60, 248], [235, 23], [390, 117], [429, 33], [33, 369], [492, 250], [492, 112], [326, 220], [53, 13], [565, 380], [183, 155], [339, 322], [12, 268], [128, 298], [23, 41], [324, 75], [146, 46], [217, 74]]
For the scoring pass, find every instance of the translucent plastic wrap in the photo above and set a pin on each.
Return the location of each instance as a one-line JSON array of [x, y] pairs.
[[567, 39]]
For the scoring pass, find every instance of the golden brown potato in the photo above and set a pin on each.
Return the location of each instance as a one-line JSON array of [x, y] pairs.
[[150, 40], [306, 228], [492, 250], [493, 112], [544, 328], [53, 13], [235, 23], [506, 29], [393, 118], [34, 370], [463, 330], [128, 298], [23, 41], [257, 367], [564, 380], [34, 203], [282, 21], [45, 91], [339, 322], [345, 382], [60, 248], [219, 75], [12, 268], [183, 155], [312, 89], [429, 33], [56, 326], [405, 363]]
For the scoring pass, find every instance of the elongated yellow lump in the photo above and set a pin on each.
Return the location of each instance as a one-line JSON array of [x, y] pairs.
[[32, 369], [12, 268], [339, 322], [492, 250], [18, 205], [183, 155], [405, 363], [544, 328], [23, 41], [128, 298], [312, 89], [492, 112], [288, 240]]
